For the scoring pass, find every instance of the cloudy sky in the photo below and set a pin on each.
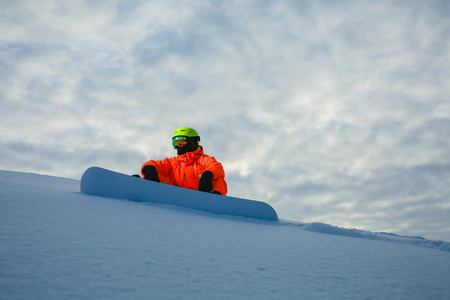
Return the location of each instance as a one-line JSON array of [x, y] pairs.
[[331, 111]]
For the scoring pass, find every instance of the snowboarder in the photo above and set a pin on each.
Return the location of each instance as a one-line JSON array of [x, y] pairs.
[[191, 168]]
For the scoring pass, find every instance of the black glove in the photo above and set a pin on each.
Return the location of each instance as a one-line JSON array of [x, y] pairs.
[[150, 173], [205, 182]]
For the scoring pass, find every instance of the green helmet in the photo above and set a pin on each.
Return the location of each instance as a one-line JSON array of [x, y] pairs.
[[185, 131], [185, 139]]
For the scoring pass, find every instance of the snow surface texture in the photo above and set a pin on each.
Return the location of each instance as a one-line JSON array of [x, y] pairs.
[[57, 243]]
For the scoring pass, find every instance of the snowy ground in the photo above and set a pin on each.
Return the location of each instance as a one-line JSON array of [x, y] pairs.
[[56, 243]]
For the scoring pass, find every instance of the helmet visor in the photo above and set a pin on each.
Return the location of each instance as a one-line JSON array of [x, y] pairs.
[[179, 141]]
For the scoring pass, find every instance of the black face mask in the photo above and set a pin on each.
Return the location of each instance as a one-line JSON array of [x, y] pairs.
[[191, 145]]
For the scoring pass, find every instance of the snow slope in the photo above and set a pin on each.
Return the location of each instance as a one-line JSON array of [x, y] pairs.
[[57, 243]]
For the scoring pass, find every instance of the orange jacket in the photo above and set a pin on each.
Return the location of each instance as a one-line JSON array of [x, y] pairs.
[[185, 170]]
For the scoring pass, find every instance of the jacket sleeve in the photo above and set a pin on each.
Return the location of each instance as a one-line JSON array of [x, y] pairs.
[[219, 183], [164, 167]]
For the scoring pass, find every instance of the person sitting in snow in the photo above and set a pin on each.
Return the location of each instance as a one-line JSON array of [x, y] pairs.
[[191, 168]]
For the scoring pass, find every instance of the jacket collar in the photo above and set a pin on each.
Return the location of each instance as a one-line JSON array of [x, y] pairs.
[[191, 156]]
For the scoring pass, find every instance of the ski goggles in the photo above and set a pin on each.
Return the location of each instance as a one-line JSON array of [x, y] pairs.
[[179, 141]]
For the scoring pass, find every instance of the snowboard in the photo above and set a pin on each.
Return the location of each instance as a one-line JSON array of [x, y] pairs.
[[105, 183]]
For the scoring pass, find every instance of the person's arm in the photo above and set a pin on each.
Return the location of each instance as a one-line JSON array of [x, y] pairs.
[[212, 180], [152, 168]]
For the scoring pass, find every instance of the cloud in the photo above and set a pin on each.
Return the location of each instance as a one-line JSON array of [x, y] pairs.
[[332, 113]]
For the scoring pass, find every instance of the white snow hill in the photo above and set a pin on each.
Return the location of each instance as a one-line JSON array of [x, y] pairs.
[[57, 243]]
